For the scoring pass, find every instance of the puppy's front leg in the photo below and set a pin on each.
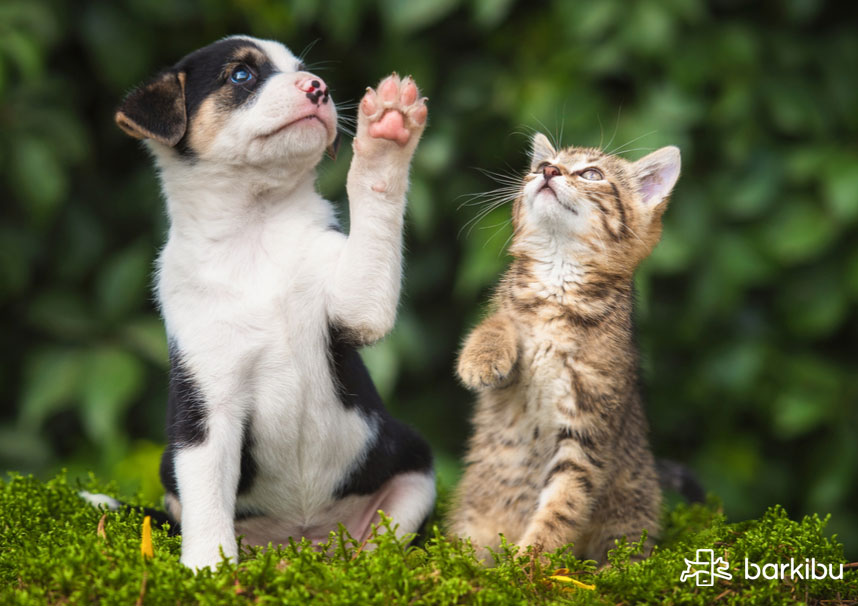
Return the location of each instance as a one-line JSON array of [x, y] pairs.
[[364, 291], [207, 475]]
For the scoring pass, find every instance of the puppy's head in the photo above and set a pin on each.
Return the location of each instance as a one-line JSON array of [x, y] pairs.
[[239, 101]]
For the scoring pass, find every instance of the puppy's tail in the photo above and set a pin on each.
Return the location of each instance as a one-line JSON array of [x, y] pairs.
[[158, 517], [676, 477]]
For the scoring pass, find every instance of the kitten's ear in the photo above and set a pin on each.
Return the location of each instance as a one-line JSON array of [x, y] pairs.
[[156, 110], [657, 174], [540, 150]]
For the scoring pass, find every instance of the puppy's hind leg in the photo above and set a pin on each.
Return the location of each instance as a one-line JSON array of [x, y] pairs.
[[408, 501]]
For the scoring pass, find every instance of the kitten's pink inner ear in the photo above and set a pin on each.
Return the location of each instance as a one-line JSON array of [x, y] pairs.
[[657, 174]]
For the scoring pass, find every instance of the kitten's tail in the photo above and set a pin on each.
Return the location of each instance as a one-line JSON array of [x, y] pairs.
[[676, 477], [158, 517]]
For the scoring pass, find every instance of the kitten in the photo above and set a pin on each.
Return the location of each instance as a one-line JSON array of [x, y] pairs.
[[559, 452]]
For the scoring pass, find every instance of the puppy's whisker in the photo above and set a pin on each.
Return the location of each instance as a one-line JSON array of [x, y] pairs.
[[303, 54]]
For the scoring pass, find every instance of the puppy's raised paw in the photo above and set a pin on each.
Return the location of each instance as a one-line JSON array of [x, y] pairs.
[[393, 112]]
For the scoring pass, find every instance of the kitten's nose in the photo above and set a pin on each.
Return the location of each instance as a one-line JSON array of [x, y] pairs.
[[315, 88], [550, 171]]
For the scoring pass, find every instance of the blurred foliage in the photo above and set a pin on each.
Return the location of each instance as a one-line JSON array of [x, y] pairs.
[[747, 313]]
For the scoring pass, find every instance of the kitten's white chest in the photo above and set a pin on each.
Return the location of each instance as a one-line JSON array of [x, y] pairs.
[[549, 386]]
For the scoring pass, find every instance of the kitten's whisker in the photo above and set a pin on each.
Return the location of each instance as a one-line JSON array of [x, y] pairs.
[[512, 178], [633, 232], [500, 227], [493, 225], [547, 132], [506, 243], [619, 150], [481, 214], [602, 243], [501, 194], [630, 151], [616, 127]]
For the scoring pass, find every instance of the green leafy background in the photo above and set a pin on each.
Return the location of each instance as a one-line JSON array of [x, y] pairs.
[[747, 314]]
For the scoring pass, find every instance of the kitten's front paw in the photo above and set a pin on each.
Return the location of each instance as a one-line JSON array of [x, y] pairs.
[[483, 367], [393, 113]]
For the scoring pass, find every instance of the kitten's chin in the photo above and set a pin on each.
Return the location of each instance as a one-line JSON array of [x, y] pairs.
[[550, 212]]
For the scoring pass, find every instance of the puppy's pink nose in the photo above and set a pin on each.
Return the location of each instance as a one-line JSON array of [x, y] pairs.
[[315, 89]]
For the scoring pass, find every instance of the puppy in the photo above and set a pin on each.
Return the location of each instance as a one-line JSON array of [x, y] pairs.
[[275, 429]]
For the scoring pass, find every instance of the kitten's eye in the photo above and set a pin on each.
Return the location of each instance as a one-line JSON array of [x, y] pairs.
[[241, 75], [541, 166], [592, 174]]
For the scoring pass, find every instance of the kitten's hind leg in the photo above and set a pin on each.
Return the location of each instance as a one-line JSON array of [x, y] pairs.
[[634, 506], [489, 354]]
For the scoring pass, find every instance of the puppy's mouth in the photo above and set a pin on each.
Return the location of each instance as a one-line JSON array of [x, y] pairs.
[[306, 118]]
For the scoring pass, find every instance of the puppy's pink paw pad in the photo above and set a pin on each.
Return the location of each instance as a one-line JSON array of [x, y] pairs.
[[389, 88], [394, 111], [409, 92], [390, 126]]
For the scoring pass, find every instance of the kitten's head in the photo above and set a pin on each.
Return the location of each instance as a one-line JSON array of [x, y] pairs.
[[601, 208]]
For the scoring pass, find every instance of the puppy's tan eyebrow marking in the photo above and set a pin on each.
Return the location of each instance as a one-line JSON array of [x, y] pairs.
[[248, 54]]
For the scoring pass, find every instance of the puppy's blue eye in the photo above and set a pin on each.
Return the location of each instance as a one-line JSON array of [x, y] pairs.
[[241, 75]]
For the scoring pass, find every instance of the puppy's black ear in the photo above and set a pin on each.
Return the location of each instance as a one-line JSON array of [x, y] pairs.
[[156, 109], [334, 147]]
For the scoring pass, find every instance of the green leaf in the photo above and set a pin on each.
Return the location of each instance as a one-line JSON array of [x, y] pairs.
[[112, 379], [122, 283], [421, 209], [484, 257], [404, 16], [24, 52], [38, 178], [62, 314], [382, 361], [51, 382], [798, 231], [841, 187], [808, 394], [488, 13], [146, 335], [814, 304]]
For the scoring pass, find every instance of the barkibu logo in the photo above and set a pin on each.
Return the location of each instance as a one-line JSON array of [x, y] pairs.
[[706, 568]]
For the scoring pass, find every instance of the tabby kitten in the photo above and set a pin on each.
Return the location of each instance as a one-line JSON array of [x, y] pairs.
[[559, 452]]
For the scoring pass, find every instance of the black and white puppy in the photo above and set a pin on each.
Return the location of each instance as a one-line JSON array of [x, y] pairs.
[[275, 428]]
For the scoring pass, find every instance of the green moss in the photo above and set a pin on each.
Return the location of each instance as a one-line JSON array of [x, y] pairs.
[[52, 553]]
